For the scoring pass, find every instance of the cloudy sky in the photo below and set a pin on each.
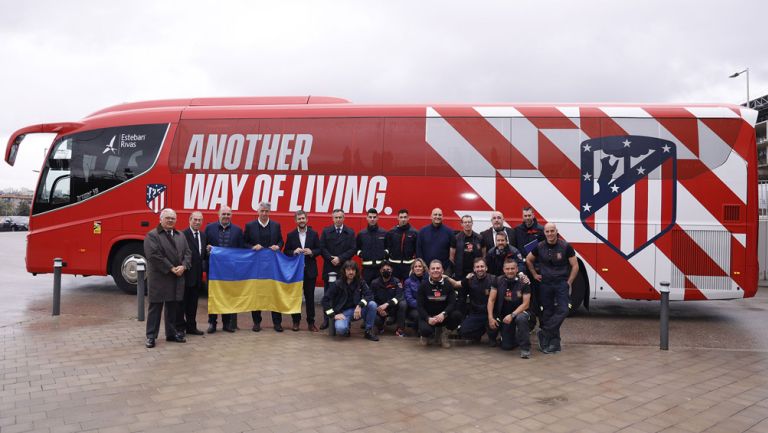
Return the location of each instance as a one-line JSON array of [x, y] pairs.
[[64, 60]]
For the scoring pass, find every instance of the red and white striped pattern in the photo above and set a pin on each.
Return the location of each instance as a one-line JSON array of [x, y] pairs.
[[713, 152]]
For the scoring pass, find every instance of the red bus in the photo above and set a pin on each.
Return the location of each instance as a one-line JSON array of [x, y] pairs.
[[645, 193]]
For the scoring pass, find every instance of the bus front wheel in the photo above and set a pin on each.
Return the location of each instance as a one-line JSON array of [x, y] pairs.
[[124, 264]]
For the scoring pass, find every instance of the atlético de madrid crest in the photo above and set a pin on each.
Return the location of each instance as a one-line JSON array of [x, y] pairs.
[[156, 197], [628, 190]]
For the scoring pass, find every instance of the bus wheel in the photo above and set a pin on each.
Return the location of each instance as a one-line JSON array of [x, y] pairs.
[[123, 266], [578, 292]]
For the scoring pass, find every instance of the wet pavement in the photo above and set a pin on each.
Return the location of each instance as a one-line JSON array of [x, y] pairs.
[[87, 370]]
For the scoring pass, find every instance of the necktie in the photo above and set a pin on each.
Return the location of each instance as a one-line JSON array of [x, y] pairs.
[[338, 231], [170, 233], [197, 241]]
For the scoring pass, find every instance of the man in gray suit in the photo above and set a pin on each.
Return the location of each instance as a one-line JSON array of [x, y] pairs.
[[168, 257]]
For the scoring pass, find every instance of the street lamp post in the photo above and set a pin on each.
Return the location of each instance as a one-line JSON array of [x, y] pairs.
[[736, 74]]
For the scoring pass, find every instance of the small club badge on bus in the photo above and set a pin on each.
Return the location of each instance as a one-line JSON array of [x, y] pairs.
[[156, 197]]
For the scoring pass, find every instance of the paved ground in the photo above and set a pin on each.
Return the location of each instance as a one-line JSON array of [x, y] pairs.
[[87, 370]]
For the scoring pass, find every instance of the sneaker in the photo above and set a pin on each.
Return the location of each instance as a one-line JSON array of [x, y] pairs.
[[423, 341], [399, 332], [369, 335], [525, 354]]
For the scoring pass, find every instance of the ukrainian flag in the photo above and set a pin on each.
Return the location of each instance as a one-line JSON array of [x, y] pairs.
[[241, 280]]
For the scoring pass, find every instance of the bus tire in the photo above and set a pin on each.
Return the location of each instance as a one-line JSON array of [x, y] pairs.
[[578, 292], [123, 266]]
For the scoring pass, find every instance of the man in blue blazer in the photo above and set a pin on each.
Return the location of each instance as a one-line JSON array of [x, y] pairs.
[[304, 240], [223, 233], [264, 233]]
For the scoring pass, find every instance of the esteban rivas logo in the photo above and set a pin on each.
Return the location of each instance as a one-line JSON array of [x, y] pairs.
[[628, 190], [111, 146]]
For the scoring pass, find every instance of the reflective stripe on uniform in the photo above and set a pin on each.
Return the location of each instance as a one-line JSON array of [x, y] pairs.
[[329, 311]]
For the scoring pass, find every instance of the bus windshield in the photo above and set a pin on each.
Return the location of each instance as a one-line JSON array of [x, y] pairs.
[[86, 164]]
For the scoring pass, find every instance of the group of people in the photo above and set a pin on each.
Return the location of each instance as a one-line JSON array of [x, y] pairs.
[[496, 282]]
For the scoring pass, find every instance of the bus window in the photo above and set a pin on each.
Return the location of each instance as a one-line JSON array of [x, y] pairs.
[[85, 164]]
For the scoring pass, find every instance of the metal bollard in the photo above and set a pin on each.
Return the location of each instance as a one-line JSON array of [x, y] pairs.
[[664, 316], [141, 287], [331, 320], [58, 263]]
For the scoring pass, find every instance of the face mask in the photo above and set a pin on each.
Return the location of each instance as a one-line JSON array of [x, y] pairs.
[[386, 274]]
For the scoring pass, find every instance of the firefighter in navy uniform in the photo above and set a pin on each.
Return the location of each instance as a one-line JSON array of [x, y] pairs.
[[558, 269], [371, 247], [390, 300], [469, 246], [508, 310], [474, 294], [500, 253], [527, 235], [436, 301], [401, 245]]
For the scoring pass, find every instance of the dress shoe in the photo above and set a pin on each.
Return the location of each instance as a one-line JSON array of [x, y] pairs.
[[195, 332], [256, 327], [278, 328], [211, 328], [295, 327], [369, 335], [229, 329], [313, 328], [178, 338], [150, 343]]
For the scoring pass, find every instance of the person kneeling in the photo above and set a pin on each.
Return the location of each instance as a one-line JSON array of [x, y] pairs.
[[388, 295], [348, 299], [436, 301], [508, 309]]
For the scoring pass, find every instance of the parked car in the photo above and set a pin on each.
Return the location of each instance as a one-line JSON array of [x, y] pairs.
[[7, 225]]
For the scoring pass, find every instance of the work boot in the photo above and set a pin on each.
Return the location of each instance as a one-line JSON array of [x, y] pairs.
[[369, 335], [444, 339]]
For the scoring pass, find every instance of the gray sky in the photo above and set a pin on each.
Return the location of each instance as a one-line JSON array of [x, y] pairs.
[[65, 59]]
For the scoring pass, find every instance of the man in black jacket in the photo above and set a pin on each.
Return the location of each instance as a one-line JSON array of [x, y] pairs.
[[474, 294], [401, 245], [371, 246], [529, 233], [436, 301], [500, 253], [508, 304], [390, 298], [469, 246], [337, 245], [193, 278], [349, 298], [304, 240], [497, 226], [264, 233]]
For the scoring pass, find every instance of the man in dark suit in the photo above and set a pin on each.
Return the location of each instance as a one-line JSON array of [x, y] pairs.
[[223, 234], [193, 279], [264, 233], [305, 241], [497, 225], [168, 258], [337, 245]]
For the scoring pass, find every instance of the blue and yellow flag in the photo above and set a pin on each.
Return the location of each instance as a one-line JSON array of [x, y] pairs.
[[241, 280]]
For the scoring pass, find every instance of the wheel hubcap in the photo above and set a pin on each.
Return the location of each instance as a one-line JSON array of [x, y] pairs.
[[128, 269]]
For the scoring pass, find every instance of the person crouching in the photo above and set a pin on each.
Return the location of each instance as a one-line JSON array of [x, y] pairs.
[[348, 299], [436, 301]]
